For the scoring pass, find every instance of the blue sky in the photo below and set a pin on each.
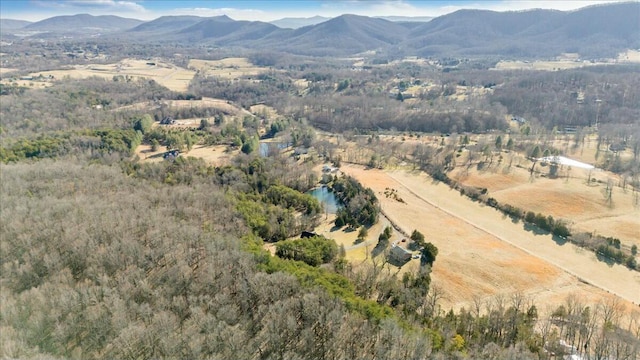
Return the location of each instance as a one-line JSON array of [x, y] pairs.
[[267, 10]]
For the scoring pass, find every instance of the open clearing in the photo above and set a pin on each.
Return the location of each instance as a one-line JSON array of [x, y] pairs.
[[224, 106], [583, 205], [482, 253], [571, 61], [4, 71], [216, 155], [229, 68], [173, 77]]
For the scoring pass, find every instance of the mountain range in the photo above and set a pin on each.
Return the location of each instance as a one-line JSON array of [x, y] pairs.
[[81, 24], [295, 23], [595, 31]]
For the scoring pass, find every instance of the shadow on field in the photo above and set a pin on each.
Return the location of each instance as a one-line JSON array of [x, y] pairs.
[[607, 260], [538, 231], [378, 249], [514, 219]]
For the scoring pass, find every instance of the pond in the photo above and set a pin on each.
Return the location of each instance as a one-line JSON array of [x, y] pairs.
[[326, 197]]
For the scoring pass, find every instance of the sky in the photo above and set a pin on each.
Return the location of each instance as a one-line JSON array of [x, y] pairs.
[[268, 10]]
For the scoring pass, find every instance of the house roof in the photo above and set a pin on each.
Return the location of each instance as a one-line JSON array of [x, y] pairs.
[[400, 251]]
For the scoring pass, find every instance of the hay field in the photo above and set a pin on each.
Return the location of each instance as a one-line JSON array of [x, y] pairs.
[[4, 71], [551, 65], [630, 56], [222, 105], [216, 155], [228, 68], [173, 77], [583, 205], [482, 253], [569, 61]]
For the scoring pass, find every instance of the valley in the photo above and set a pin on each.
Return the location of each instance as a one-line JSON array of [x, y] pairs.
[[461, 186]]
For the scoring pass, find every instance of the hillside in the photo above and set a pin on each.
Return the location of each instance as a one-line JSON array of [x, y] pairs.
[[346, 34], [592, 31], [167, 24], [224, 30], [10, 24]]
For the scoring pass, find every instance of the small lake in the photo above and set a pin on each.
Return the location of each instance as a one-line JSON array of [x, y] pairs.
[[267, 147], [328, 200]]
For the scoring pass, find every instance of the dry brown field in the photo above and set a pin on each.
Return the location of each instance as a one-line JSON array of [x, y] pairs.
[[229, 68], [567, 62], [586, 151], [540, 65], [173, 77], [630, 56], [484, 254], [222, 105], [4, 71], [583, 205], [215, 155]]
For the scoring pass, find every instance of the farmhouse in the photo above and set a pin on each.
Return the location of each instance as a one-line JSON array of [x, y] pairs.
[[167, 121], [519, 119], [399, 255], [171, 155]]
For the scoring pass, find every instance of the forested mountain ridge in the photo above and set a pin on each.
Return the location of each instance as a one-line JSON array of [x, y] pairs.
[[596, 31], [298, 22], [357, 33], [167, 23], [82, 23], [10, 24]]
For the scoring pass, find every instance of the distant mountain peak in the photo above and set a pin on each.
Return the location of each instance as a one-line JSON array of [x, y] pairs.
[[223, 18], [298, 22]]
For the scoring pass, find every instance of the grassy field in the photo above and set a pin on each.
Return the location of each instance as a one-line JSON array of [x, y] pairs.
[[173, 77], [229, 68]]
